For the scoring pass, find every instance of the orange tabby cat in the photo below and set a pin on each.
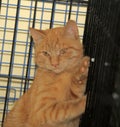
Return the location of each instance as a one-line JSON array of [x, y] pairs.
[[56, 97]]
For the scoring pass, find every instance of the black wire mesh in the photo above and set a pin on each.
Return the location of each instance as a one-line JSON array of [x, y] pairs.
[[102, 44]]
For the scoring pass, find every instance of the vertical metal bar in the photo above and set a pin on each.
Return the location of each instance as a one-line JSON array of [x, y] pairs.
[[11, 61], [52, 14], [87, 46], [87, 22], [30, 51], [70, 9], [42, 14], [77, 12], [0, 4], [25, 57], [65, 17], [5, 25]]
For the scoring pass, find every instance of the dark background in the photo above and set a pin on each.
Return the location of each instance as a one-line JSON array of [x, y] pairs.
[[102, 44]]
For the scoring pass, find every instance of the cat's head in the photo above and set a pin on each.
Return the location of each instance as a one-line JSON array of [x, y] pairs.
[[57, 49]]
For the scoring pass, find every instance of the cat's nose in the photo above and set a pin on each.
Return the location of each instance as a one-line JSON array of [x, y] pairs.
[[54, 61]]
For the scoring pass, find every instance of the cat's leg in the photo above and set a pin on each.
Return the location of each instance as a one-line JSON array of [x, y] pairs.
[[58, 112], [80, 78]]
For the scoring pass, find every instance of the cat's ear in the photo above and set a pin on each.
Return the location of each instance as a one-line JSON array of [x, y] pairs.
[[37, 35], [71, 30]]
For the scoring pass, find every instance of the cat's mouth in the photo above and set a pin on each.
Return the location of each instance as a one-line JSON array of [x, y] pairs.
[[57, 70]]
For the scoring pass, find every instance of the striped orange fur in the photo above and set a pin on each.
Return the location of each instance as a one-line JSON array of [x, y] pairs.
[[56, 97]]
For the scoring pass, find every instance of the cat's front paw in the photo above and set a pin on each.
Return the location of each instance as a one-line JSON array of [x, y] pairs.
[[82, 74]]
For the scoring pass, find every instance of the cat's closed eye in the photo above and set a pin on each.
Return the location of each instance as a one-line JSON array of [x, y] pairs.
[[63, 51], [45, 53]]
